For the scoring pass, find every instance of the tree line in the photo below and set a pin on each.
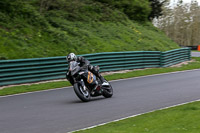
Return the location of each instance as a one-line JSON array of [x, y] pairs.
[[181, 22], [137, 10]]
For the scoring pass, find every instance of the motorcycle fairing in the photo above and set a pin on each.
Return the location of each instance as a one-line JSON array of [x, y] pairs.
[[91, 78]]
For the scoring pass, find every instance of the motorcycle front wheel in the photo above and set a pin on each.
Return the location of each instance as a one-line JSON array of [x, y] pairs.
[[83, 94]]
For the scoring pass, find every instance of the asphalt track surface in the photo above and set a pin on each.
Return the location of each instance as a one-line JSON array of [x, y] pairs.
[[60, 111], [195, 54]]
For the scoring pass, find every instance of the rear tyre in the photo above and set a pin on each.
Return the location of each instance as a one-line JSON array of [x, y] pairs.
[[82, 94], [107, 91]]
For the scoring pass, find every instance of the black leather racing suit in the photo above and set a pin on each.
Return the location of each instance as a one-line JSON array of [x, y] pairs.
[[85, 64]]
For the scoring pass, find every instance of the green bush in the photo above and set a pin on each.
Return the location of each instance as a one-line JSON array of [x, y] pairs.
[[137, 10]]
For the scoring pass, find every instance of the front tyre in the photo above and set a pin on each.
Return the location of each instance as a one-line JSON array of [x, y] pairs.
[[82, 94]]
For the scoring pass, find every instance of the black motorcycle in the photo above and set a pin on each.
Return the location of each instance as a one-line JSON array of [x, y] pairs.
[[86, 84]]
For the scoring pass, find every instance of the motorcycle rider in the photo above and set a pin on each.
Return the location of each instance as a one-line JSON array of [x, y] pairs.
[[84, 64]]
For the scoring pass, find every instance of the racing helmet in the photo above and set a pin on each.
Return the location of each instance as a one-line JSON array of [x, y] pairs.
[[71, 57]]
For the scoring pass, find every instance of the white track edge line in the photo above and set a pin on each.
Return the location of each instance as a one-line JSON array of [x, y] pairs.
[[109, 81], [134, 116]]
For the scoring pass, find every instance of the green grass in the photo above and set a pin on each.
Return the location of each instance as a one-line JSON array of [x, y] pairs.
[[190, 66], [136, 73], [181, 119], [79, 26], [33, 87]]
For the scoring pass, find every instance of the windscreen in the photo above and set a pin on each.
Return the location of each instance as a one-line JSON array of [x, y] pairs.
[[74, 67]]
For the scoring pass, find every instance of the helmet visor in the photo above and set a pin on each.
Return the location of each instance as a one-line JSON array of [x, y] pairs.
[[69, 59]]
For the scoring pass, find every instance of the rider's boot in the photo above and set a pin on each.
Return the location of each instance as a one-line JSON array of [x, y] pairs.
[[104, 82]]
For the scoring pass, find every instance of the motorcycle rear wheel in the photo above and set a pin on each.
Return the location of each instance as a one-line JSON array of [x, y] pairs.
[[83, 95], [108, 91]]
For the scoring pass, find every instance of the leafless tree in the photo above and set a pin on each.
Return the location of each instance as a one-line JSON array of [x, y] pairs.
[[181, 22]]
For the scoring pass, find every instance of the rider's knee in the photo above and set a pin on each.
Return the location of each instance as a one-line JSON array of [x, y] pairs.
[[94, 69]]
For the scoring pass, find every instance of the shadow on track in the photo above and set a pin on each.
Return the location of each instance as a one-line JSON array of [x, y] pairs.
[[79, 101]]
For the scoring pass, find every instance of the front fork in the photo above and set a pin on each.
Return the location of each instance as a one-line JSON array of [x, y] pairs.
[[83, 84], [80, 82]]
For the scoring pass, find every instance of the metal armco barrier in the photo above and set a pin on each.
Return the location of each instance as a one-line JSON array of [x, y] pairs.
[[172, 57], [40, 69]]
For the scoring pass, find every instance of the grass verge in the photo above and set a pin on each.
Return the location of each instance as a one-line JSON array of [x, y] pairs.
[[136, 73], [180, 119]]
